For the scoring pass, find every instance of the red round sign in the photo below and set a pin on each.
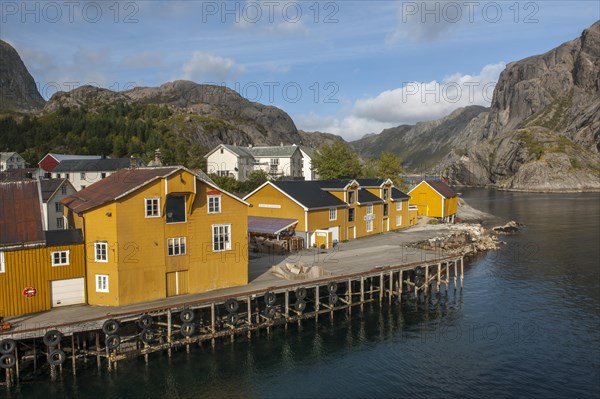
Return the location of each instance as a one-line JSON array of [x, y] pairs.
[[29, 292]]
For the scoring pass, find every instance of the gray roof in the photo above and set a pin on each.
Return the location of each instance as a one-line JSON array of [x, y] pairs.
[[5, 155], [371, 182], [333, 184], [95, 165], [65, 157], [399, 195], [63, 237], [365, 197], [275, 151], [49, 187], [308, 151], [309, 194], [267, 225], [240, 151]]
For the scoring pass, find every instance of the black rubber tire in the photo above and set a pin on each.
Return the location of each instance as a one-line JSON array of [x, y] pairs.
[[7, 361], [148, 335], [56, 357], [111, 327], [113, 341], [233, 318], [7, 346], [270, 312], [333, 299], [419, 270], [332, 287], [418, 280], [300, 306], [187, 316], [232, 305], [301, 293], [270, 298], [52, 338], [188, 329], [145, 321]]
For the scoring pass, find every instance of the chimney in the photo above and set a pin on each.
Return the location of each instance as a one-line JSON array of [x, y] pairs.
[[132, 162], [281, 144], [157, 161]]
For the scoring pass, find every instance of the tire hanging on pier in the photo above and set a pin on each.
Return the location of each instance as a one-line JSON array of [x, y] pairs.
[[270, 298], [52, 338], [418, 280], [7, 346], [145, 321], [300, 305], [8, 361], [188, 329], [187, 316], [232, 305], [56, 357], [111, 327], [270, 312], [333, 299], [113, 341], [233, 318], [148, 335], [332, 287], [301, 293]]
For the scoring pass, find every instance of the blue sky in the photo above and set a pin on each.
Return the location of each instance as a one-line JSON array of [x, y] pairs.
[[345, 67]]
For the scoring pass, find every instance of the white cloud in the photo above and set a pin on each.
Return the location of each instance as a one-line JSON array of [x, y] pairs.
[[413, 102], [210, 67], [144, 59]]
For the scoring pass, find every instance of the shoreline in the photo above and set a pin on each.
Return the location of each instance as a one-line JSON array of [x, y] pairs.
[[518, 190]]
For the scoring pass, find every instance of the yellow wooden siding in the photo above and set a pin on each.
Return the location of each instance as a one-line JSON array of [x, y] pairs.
[[177, 283], [428, 201], [33, 268], [319, 219], [271, 196], [361, 224]]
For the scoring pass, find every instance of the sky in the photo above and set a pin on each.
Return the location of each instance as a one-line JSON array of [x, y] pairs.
[[345, 67]]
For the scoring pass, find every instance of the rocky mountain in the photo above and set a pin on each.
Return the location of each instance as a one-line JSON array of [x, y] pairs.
[[318, 139], [542, 131], [18, 91]]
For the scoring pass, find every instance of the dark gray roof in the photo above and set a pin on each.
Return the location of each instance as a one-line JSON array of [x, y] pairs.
[[49, 187], [442, 188], [95, 165], [241, 151], [308, 151], [365, 197], [371, 182], [333, 184], [63, 237], [309, 194], [17, 174], [266, 225], [399, 195]]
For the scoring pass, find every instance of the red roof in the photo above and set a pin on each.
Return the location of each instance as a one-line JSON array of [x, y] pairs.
[[114, 186], [20, 213], [442, 188]]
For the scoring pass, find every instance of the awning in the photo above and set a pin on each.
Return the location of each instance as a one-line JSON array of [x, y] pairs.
[[265, 225]]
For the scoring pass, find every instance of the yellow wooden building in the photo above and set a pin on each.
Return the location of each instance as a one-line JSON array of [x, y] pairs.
[[436, 199], [39, 269], [344, 208], [152, 233]]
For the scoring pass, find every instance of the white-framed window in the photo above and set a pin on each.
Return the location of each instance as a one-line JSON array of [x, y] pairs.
[[82, 175], [101, 283], [386, 194], [399, 205], [152, 207], [2, 264], [369, 209], [214, 204], [351, 214], [351, 197], [60, 223], [369, 225], [399, 220], [332, 214], [385, 209], [63, 189], [60, 258], [58, 207], [101, 251], [221, 237], [176, 246]]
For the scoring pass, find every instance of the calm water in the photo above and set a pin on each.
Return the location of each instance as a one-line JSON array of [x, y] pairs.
[[526, 325]]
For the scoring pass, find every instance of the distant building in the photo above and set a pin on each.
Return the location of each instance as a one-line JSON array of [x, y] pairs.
[[50, 160], [436, 199], [82, 173], [11, 160], [307, 167], [276, 161], [53, 191]]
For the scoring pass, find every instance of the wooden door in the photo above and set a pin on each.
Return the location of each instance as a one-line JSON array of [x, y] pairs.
[[177, 283]]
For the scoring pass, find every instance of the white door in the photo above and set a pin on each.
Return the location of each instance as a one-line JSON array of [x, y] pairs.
[[67, 292], [335, 233]]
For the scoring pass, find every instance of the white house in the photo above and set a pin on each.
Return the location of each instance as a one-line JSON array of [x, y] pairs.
[[238, 162], [53, 191], [11, 160], [82, 173], [307, 168]]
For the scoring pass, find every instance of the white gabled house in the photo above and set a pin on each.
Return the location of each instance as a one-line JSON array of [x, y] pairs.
[[11, 160], [230, 160], [53, 191]]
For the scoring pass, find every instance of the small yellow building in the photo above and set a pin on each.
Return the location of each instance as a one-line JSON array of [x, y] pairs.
[[152, 233], [39, 269], [434, 198]]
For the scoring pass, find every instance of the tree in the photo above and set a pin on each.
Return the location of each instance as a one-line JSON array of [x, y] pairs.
[[255, 179], [388, 165], [336, 161]]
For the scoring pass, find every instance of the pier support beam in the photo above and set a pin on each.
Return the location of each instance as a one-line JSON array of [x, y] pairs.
[[462, 262]]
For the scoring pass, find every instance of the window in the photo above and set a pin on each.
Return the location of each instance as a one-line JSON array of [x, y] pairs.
[[214, 204], [60, 258], [175, 209], [221, 150], [398, 220], [176, 246], [369, 225], [351, 213], [58, 206], [81, 187], [369, 209], [82, 175], [101, 251], [2, 265], [102, 175], [152, 207], [385, 209], [67, 176], [386, 194], [399, 205], [351, 197], [60, 223], [101, 283], [332, 214], [221, 237], [63, 189]]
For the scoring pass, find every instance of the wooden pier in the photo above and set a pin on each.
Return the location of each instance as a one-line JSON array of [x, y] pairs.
[[133, 334]]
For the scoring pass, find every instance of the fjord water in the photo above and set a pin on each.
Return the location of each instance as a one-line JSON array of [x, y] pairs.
[[527, 324]]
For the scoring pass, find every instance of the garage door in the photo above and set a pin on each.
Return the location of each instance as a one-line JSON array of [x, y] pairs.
[[67, 292], [335, 233]]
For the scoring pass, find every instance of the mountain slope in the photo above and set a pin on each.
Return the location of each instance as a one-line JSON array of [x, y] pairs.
[[18, 91]]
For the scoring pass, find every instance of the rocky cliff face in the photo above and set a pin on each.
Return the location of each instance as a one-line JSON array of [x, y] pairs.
[[18, 91]]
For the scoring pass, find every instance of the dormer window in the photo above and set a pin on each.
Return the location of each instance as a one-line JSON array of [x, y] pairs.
[[175, 209], [351, 197], [386, 193]]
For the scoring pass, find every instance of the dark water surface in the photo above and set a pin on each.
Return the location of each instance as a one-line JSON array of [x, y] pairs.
[[526, 325]]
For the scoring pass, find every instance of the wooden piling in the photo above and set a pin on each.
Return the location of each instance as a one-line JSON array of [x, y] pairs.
[[169, 332], [73, 357], [462, 274], [427, 280], [391, 287]]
